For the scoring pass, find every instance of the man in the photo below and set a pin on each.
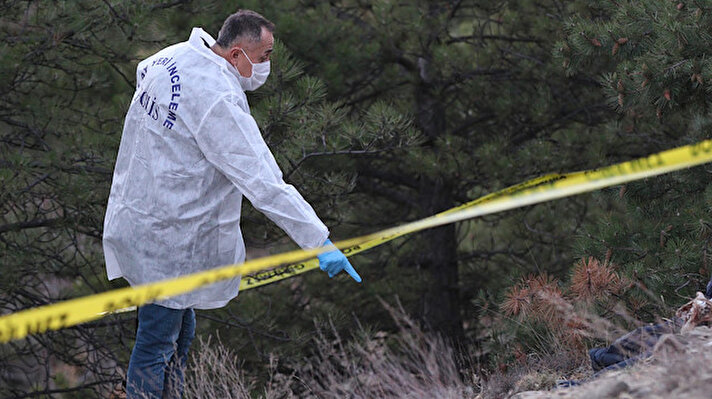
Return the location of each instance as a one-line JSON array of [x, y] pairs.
[[189, 151]]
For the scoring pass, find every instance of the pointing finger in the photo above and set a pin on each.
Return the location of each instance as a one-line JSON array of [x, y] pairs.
[[352, 272]]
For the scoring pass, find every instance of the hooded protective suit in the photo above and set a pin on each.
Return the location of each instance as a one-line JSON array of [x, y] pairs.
[[189, 151]]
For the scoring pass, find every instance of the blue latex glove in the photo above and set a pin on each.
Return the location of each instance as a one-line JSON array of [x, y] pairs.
[[333, 262], [708, 292]]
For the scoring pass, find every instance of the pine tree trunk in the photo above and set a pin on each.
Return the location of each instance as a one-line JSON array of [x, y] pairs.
[[441, 302]]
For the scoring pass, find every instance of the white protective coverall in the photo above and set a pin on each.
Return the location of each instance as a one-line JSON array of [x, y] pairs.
[[189, 151]]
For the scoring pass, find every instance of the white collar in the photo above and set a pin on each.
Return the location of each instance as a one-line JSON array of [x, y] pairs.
[[197, 40]]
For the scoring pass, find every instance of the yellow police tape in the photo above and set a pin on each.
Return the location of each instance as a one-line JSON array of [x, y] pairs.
[[80, 310], [282, 272], [286, 271]]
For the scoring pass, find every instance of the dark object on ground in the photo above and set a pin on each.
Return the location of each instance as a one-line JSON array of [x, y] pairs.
[[628, 349], [567, 383], [639, 343]]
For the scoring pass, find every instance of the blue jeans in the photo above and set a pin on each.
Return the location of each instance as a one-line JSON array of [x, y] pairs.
[[160, 353]]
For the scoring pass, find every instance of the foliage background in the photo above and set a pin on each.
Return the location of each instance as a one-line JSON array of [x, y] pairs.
[[379, 112]]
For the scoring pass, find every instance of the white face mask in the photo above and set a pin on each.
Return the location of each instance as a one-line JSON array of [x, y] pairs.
[[259, 75]]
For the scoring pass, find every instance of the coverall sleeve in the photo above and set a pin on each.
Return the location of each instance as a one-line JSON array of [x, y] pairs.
[[230, 140]]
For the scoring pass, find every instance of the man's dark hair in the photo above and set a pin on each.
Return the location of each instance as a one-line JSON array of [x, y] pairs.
[[244, 24]]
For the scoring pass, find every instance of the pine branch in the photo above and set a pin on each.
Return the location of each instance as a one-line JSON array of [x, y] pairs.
[[370, 187], [511, 39], [32, 224], [296, 164]]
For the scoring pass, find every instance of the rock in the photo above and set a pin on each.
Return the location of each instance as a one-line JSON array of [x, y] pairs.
[[531, 395], [606, 389]]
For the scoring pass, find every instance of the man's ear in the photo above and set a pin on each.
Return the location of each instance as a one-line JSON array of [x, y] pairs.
[[234, 53]]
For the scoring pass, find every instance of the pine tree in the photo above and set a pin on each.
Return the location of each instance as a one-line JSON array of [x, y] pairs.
[[490, 106], [66, 78], [651, 60], [379, 112]]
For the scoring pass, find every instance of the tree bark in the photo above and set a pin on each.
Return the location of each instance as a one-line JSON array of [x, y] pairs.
[[441, 301], [440, 308]]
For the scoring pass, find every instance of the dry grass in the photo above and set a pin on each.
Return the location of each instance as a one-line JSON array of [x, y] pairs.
[[412, 364], [536, 370], [415, 365], [215, 372]]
